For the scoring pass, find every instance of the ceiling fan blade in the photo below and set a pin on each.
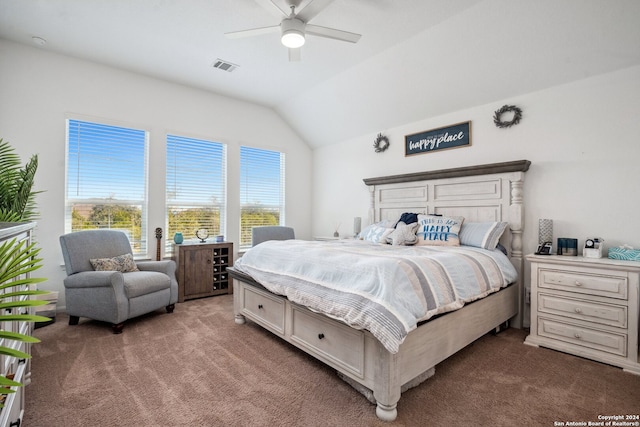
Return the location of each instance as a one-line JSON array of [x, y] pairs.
[[312, 9], [294, 55], [273, 8], [252, 32], [332, 33]]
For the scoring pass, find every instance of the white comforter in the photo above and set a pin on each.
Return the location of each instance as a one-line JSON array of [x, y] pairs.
[[384, 289]]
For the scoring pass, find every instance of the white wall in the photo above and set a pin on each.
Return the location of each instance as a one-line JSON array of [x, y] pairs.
[[40, 89], [582, 138]]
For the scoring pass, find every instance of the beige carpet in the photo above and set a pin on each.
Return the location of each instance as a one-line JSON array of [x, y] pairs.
[[196, 367]]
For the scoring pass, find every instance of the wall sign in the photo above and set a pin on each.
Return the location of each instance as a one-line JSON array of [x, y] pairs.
[[454, 136]]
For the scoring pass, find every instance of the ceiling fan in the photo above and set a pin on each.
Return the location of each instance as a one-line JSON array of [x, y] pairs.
[[294, 27]]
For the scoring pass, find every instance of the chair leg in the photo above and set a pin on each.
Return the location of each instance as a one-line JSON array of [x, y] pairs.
[[117, 328], [170, 308], [73, 320]]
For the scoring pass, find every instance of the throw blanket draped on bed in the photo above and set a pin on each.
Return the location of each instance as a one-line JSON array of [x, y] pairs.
[[384, 289]]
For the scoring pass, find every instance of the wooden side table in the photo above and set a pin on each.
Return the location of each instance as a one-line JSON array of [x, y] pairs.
[[202, 269]]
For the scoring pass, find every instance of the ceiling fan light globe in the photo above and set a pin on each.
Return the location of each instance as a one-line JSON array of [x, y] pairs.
[[292, 39]]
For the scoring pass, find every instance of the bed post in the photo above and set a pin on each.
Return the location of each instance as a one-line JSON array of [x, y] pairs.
[[387, 389], [516, 221], [372, 204]]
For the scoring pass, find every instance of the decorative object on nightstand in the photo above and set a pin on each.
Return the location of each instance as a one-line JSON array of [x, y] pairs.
[[593, 247], [624, 252], [587, 307], [202, 234], [357, 224], [202, 269], [567, 246], [545, 237]]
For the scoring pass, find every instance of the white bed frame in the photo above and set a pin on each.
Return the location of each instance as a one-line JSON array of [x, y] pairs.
[[480, 193]]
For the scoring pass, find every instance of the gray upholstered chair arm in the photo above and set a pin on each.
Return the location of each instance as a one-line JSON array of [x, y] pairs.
[[166, 266], [91, 279]]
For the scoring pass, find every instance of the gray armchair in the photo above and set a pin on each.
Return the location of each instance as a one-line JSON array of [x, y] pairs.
[[271, 232], [113, 296]]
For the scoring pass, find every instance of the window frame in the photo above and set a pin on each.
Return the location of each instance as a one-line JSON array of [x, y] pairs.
[[222, 206], [243, 204], [139, 247]]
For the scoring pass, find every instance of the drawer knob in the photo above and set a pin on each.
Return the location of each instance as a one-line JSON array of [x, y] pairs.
[[260, 307], [320, 336], [578, 283], [578, 310], [577, 335]]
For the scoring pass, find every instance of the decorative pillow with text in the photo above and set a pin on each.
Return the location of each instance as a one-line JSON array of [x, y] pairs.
[[439, 230]]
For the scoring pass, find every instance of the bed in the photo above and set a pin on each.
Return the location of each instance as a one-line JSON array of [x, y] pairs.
[[366, 358]]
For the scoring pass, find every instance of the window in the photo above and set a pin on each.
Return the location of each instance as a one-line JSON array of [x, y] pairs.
[[107, 180], [261, 190], [196, 187]]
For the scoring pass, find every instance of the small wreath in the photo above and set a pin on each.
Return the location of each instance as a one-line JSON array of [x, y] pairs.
[[517, 115], [381, 143]]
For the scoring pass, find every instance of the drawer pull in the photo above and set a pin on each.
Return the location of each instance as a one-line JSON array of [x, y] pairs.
[[578, 283], [578, 310], [577, 335], [320, 336], [260, 307]]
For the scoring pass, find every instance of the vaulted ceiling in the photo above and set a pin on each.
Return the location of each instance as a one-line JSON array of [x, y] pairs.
[[416, 58]]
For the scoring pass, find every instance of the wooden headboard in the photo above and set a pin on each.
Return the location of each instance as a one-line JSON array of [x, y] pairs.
[[492, 192]]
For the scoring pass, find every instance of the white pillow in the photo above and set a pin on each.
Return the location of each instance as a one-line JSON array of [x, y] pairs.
[[439, 230], [403, 234], [376, 233], [484, 235]]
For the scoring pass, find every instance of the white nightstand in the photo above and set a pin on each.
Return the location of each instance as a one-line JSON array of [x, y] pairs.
[[587, 307]]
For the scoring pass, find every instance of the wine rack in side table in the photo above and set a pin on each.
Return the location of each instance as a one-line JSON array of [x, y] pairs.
[[202, 269], [587, 307]]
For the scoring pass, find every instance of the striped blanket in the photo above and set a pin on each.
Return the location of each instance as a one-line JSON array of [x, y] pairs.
[[384, 289]]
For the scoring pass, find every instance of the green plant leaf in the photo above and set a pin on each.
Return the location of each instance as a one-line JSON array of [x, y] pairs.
[[15, 336], [7, 351], [22, 303], [23, 293], [23, 318], [4, 381]]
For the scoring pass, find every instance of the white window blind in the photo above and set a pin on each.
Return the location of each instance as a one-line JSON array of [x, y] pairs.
[[107, 180], [262, 195], [196, 187]]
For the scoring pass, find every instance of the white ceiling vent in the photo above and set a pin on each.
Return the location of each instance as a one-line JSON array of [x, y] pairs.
[[223, 65]]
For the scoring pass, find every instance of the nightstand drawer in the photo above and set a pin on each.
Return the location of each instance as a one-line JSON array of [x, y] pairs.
[[605, 314], [584, 283], [264, 309], [576, 334]]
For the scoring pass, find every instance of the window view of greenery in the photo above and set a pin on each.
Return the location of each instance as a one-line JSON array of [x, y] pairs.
[[196, 187], [120, 217], [106, 180], [261, 190], [253, 217], [107, 185]]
